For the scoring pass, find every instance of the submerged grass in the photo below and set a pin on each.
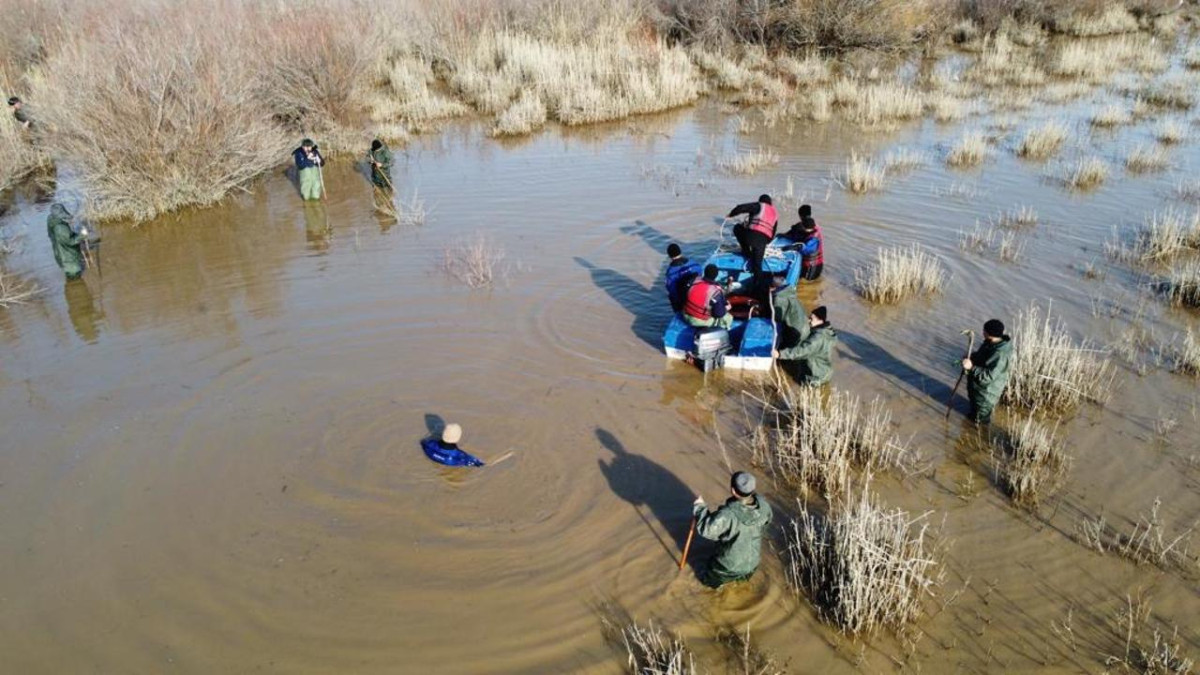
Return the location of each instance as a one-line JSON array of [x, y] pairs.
[[1043, 142], [863, 174], [1086, 173], [1149, 542], [749, 162], [1031, 463], [900, 273], [969, 150], [475, 261]]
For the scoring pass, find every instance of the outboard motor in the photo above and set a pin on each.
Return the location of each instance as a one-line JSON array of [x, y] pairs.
[[712, 344]]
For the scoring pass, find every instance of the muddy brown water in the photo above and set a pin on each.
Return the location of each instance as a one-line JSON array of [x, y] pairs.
[[209, 459]]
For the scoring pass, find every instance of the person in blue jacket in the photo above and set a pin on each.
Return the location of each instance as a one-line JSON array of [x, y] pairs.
[[446, 451], [680, 273], [308, 163]]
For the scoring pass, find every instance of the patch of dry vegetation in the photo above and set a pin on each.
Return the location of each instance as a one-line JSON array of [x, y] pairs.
[[1182, 285], [1147, 158], [899, 273], [1177, 93], [651, 651], [1031, 464], [475, 261], [1044, 141], [1164, 236], [863, 174], [969, 150], [749, 162], [1111, 116], [16, 291], [1170, 131], [1150, 542], [863, 566], [816, 443], [1185, 355], [1086, 173], [903, 160], [1050, 371]]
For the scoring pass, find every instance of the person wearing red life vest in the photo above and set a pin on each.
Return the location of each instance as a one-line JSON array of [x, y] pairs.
[[758, 230], [809, 244], [705, 306]]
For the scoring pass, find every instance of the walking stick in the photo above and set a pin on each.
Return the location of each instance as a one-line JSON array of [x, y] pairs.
[[387, 179], [688, 544], [961, 372], [321, 174]]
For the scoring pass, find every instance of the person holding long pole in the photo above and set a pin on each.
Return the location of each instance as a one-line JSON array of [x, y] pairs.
[[737, 527], [308, 163], [987, 371]]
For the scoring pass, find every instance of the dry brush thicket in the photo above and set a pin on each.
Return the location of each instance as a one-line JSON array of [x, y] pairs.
[[817, 443], [900, 273], [475, 261], [863, 566], [15, 290], [1050, 371]]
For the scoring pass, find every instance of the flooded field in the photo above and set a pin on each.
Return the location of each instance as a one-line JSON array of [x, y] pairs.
[[210, 460]]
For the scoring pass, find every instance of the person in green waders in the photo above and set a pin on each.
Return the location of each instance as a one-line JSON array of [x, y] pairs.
[[737, 527], [814, 351], [987, 371], [65, 242], [309, 162], [381, 164]]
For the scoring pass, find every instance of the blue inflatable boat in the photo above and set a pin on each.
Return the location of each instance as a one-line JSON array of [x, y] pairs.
[[749, 341]]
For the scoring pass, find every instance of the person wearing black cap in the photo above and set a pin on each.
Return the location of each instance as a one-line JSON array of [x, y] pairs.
[[809, 244], [737, 527], [308, 163], [704, 305], [381, 164], [18, 110], [680, 274], [987, 371], [815, 351], [758, 230]]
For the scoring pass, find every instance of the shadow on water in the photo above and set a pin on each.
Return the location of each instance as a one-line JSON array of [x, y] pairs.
[[434, 424], [862, 350], [643, 482], [639, 301], [86, 317]]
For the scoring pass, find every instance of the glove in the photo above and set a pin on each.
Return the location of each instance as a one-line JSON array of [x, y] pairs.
[[699, 501], [83, 230]]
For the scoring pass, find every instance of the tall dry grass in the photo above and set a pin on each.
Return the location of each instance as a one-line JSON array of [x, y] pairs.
[[1185, 355], [863, 566], [1031, 463], [1050, 371], [651, 651], [1182, 285], [475, 261], [816, 442], [899, 273], [1164, 236], [1044, 141], [863, 174]]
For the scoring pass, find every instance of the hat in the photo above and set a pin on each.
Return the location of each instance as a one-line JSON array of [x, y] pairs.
[[805, 210], [742, 483], [376, 144], [13, 100], [307, 143], [452, 433], [820, 312], [765, 199], [994, 328], [673, 250]]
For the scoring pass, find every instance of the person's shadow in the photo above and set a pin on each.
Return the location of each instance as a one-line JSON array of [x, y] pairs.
[[880, 360], [648, 324], [643, 482]]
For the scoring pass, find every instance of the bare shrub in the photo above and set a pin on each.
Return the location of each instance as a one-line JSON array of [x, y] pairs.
[[653, 652], [1044, 141], [1032, 463], [475, 261], [863, 174], [1147, 158], [16, 291], [1148, 543], [969, 150], [1086, 173], [900, 273], [817, 444], [1182, 285], [1185, 355], [1050, 371], [864, 567]]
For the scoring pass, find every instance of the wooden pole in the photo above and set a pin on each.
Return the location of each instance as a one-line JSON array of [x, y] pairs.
[[961, 372], [688, 544]]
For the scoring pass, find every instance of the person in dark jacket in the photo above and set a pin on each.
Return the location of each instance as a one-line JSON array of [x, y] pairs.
[[704, 305], [809, 243], [737, 527], [679, 276], [758, 230], [790, 316], [65, 242], [18, 111], [381, 164], [815, 351], [988, 371], [309, 162]]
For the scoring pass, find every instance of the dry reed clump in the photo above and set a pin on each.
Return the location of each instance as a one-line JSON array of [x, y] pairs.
[[1175, 93], [1191, 58], [969, 150], [1021, 217], [406, 94], [1110, 116], [1032, 464], [1170, 131], [863, 566], [947, 108], [903, 160], [876, 104], [1146, 158], [1185, 355], [1011, 248], [1165, 235], [863, 174], [978, 240], [524, 116], [1001, 63], [817, 444], [1148, 543], [1114, 19], [899, 273], [475, 261], [1050, 371], [651, 651], [749, 162], [1043, 142], [1182, 285], [806, 71], [1086, 173], [16, 291]]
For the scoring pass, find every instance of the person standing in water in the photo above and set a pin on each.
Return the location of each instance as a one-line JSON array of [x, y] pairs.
[[381, 164], [308, 163], [737, 527], [758, 230], [65, 242], [988, 371]]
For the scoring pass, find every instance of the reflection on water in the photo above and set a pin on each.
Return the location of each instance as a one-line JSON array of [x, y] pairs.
[[210, 457]]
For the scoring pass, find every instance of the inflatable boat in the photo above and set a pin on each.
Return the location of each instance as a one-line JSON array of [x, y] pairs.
[[748, 343]]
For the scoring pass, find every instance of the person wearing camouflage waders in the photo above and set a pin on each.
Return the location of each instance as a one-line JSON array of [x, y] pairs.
[[65, 242], [308, 163], [737, 527]]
